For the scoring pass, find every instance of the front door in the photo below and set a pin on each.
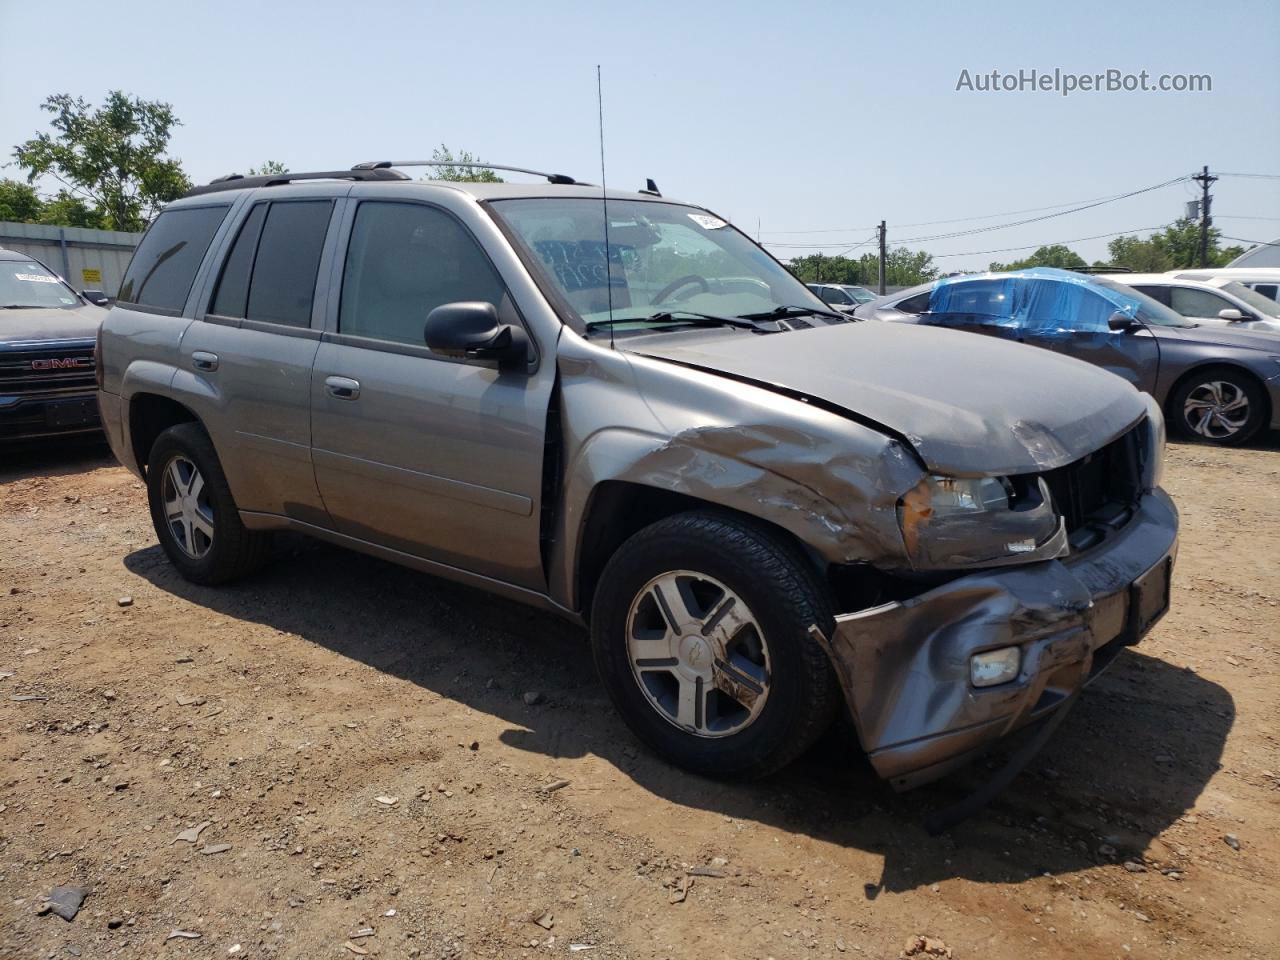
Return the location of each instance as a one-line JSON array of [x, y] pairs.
[[427, 455], [1076, 323]]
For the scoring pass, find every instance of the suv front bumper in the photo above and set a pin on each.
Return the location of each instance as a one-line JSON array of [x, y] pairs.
[[905, 666], [29, 416]]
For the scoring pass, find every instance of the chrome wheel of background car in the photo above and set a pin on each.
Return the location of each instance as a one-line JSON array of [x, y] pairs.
[[1216, 409], [186, 507], [698, 653]]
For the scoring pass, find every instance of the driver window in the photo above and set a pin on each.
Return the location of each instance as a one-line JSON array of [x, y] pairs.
[[1196, 303], [834, 295], [403, 261]]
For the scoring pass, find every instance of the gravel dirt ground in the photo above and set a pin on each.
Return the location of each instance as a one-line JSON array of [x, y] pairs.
[[351, 749]]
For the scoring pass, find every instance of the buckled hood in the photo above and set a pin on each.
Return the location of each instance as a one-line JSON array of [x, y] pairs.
[[968, 405]]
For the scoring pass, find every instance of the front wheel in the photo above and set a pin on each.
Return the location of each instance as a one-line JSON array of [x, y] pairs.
[[1218, 405], [700, 630]]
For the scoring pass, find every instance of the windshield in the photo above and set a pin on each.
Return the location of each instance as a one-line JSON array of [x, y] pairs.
[[1150, 310], [860, 294], [663, 258], [25, 283], [1264, 305]]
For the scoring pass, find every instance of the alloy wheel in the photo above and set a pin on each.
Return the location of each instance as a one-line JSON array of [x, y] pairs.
[[698, 653], [186, 507], [1216, 409]]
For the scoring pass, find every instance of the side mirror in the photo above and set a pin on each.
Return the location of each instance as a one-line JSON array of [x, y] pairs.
[[1230, 313], [471, 330], [96, 297], [1121, 322]]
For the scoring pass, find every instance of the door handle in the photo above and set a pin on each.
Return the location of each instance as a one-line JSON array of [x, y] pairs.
[[203, 360], [344, 388]]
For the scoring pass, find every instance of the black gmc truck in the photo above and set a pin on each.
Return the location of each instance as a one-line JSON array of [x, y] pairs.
[[47, 337]]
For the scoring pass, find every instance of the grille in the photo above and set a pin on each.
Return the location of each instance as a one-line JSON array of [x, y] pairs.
[[59, 367], [1101, 486]]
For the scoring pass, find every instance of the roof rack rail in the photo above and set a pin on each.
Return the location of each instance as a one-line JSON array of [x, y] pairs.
[[561, 178], [236, 181]]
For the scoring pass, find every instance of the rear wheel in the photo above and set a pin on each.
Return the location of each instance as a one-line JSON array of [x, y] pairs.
[[700, 633], [192, 510], [1219, 405]]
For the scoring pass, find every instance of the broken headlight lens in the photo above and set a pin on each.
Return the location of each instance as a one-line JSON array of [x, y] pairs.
[[952, 522], [994, 667]]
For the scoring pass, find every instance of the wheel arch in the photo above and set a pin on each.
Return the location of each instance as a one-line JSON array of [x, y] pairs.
[[618, 509], [149, 415], [1217, 364]]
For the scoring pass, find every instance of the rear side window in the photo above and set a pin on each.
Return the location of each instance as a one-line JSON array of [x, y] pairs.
[[1155, 293], [233, 288], [1267, 290], [165, 263], [270, 274], [404, 260], [917, 304]]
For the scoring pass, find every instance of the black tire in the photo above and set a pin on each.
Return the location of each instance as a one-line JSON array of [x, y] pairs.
[[233, 551], [784, 596], [1198, 383]]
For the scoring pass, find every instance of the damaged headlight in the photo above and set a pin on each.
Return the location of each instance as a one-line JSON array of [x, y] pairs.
[[952, 522]]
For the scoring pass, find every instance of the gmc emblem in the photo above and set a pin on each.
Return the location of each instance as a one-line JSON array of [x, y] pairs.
[[62, 363]]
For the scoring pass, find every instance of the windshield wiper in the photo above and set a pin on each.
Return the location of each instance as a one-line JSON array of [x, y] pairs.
[[22, 306], [680, 316], [780, 313]]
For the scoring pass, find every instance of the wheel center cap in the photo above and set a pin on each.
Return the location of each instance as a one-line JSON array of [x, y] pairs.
[[695, 652]]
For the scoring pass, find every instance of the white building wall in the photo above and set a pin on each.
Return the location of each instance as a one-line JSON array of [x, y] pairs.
[[75, 253]]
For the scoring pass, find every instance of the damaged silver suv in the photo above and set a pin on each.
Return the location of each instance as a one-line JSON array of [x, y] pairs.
[[620, 408]]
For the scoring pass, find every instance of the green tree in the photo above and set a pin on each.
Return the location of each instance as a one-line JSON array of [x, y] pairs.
[[112, 156], [1051, 256], [271, 168], [1173, 248], [459, 167], [68, 210], [19, 202], [903, 268]]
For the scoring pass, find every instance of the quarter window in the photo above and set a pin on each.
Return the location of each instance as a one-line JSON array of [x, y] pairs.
[[403, 261], [165, 263]]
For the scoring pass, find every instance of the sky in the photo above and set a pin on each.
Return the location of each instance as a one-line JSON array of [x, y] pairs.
[[787, 118]]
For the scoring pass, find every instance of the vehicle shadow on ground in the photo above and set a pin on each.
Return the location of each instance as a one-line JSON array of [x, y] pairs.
[[1131, 758], [48, 458]]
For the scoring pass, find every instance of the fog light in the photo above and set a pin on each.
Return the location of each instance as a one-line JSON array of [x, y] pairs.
[[994, 667]]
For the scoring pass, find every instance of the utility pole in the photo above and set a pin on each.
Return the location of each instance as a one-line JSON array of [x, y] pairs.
[[1204, 180], [882, 257], [818, 268]]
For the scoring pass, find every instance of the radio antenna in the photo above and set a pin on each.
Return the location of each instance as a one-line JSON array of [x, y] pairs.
[[604, 200]]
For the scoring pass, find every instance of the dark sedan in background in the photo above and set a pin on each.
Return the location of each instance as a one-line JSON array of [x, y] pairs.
[[1215, 384], [47, 336]]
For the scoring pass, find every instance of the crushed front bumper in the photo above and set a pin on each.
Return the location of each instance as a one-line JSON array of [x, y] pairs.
[[904, 666]]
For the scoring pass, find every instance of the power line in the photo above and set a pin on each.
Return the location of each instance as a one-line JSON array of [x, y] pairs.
[[998, 226], [1036, 246], [1259, 243], [1087, 204], [1256, 176]]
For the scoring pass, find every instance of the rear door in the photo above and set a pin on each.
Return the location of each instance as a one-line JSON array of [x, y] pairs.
[[252, 348], [431, 456]]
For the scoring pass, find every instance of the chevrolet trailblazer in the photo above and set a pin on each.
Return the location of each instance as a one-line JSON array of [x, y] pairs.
[[619, 407]]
